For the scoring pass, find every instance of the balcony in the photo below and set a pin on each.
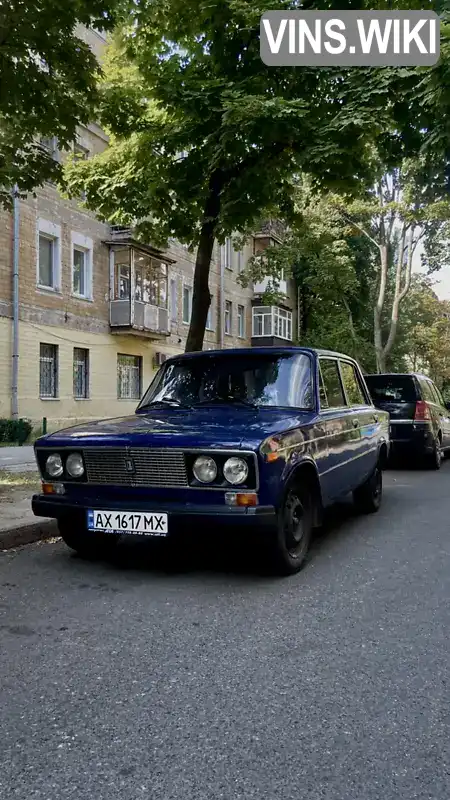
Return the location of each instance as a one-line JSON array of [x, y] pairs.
[[261, 287], [139, 300], [271, 325], [139, 316]]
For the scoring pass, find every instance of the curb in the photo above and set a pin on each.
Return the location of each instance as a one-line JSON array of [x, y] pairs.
[[27, 534]]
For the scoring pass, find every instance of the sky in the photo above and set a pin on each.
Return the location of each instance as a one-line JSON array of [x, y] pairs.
[[441, 279]]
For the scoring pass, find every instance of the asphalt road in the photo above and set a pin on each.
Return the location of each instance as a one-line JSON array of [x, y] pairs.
[[221, 683], [17, 459]]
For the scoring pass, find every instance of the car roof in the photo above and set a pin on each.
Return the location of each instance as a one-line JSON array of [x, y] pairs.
[[261, 351], [398, 375]]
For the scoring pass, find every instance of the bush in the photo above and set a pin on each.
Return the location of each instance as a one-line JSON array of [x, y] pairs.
[[15, 431]]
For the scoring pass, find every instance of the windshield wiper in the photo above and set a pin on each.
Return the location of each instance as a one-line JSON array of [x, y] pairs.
[[166, 401], [226, 400]]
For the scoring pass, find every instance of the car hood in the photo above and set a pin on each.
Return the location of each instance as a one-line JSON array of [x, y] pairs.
[[220, 428]]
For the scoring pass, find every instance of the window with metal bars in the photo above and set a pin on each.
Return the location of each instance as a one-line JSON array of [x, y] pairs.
[[129, 377], [48, 370], [80, 373]]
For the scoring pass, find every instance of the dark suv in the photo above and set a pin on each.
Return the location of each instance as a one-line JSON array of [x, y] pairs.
[[419, 418]]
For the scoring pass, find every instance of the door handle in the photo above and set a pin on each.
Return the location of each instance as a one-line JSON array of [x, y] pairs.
[[355, 423], [375, 417]]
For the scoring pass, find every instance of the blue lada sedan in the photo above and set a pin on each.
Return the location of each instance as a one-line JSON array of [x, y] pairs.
[[260, 438]]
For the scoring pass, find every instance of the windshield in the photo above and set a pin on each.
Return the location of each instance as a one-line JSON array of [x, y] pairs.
[[392, 388], [247, 380]]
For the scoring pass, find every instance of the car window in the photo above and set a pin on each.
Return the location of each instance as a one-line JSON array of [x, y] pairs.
[[392, 388], [427, 391], [332, 386], [265, 379], [352, 386], [436, 394]]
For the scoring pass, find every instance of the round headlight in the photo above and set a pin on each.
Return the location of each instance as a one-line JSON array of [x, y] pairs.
[[235, 470], [205, 469], [74, 465], [54, 465]]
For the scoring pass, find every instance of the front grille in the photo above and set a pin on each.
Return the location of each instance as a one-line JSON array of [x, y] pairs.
[[152, 467]]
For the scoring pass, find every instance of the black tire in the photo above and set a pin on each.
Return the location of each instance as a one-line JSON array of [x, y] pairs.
[[367, 497], [289, 546], [434, 461], [90, 546]]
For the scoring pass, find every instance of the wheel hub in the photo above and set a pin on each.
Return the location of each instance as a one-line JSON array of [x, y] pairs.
[[294, 527]]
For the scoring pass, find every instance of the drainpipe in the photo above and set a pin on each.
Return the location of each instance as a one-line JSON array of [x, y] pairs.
[[15, 339], [222, 303]]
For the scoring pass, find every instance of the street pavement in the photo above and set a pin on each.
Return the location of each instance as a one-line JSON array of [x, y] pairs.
[[130, 682], [17, 459]]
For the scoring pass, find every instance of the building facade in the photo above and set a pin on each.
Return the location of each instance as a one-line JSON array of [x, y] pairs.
[[88, 315]]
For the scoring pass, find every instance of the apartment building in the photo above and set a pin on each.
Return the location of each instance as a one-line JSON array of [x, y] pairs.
[[98, 312]]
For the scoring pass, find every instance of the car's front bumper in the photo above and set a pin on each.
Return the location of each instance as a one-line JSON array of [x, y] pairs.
[[181, 518]]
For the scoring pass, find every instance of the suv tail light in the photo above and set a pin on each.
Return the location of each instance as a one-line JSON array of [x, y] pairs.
[[422, 411]]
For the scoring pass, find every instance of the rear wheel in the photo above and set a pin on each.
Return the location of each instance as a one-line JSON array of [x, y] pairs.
[[289, 547], [434, 461], [86, 544], [368, 497]]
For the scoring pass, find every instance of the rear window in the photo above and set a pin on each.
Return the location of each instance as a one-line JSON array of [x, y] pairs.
[[392, 388]]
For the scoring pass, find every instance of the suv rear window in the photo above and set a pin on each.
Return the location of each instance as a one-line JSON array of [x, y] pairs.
[[392, 388]]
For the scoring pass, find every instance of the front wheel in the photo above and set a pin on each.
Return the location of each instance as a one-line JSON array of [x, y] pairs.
[[86, 544], [367, 497], [290, 545]]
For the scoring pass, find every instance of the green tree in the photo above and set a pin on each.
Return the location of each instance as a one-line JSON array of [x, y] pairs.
[[186, 77], [48, 83], [406, 206], [423, 342], [333, 272]]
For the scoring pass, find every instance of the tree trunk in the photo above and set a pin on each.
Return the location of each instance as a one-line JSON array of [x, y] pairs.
[[201, 298], [400, 293], [378, 310]]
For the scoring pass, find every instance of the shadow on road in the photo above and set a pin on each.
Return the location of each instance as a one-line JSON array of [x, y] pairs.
[[236, 553]]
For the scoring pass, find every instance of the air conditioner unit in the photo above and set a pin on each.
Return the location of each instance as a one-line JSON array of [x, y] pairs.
[[159, 359]]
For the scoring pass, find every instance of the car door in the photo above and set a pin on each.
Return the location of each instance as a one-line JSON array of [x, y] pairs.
[[364, 420], [339, 431], [433, 405], [444, 415]]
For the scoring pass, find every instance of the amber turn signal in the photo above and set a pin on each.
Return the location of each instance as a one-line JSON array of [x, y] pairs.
[[53, 488], [241, 499]]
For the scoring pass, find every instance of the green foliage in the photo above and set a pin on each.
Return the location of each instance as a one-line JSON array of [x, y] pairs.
[[48, 83], [15, 430], [186, 76], [423, 341], [333, 272]]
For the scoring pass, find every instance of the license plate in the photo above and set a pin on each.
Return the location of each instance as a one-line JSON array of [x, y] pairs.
[[132, 522]]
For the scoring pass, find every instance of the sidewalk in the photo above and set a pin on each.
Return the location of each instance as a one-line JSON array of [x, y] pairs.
[[18, 525], [17, 459]]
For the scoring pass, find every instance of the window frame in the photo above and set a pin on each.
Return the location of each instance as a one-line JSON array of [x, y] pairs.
[[228, 315], [352, 364], [226, 254], [241, 335], [84, 363], [438, 394], [278, 321], [209, 326], [189, 287], [83, 244], [51, 231], [139, 365], [329, 408], [173, 293], [55, 370]]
